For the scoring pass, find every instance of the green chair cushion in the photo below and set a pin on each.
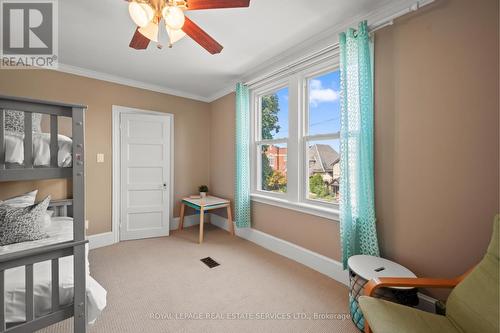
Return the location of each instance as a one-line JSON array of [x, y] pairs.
[[473, 304], [388, 317], [472, 307]]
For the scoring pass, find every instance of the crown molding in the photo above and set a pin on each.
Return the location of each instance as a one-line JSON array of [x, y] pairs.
[[303, 49], [323, 39], [221, 93], [127, 82]]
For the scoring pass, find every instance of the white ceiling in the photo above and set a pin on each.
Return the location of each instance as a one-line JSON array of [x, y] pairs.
[[94, 36]]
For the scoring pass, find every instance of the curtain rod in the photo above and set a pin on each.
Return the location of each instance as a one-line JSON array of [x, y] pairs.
[[372, 28]]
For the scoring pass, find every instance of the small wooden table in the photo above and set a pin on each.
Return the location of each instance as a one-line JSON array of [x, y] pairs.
[[204, 204]]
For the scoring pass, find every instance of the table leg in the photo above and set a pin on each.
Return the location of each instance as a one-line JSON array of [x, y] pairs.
[[230, 220], [181, 220], [202, 217]]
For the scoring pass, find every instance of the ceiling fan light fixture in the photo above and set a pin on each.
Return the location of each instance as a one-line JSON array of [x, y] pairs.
[[140, 13], [174, 35], [148, 14], [150, 31], [174, 17]]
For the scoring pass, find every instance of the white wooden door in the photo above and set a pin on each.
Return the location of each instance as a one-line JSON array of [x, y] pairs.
[[145, 176]]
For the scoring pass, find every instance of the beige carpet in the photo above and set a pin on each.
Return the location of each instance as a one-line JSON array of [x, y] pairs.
[[149, 280]]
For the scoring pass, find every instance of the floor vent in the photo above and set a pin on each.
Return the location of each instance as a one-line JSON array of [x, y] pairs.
[[210, 262]]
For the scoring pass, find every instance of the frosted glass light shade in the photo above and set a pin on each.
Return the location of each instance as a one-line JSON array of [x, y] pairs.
[[174, 35], [140, 13], [150, 31], [174, 17]]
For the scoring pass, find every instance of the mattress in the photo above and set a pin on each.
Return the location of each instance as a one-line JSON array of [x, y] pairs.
[[14, 149], [60, 230]]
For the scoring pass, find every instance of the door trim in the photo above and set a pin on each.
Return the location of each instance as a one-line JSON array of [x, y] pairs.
[[118, 110]]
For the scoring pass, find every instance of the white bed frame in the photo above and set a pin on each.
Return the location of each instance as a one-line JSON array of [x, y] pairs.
[[75, 207]]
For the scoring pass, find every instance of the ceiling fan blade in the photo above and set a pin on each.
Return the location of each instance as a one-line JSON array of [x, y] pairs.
[[139, 42], [213, 4], [201, 37]]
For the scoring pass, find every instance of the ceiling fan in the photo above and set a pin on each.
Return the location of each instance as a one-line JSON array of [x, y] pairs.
[[147, 15]]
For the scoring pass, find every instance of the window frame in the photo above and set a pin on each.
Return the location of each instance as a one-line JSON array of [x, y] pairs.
[[257, 141], [307, 137], [296, 197]]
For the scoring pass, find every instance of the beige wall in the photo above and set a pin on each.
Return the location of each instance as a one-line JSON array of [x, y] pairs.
[[191, 132], [436, 120], [436, 143], [222, 137]]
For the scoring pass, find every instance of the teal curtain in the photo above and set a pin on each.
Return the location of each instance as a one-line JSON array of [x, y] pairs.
[[357, 203], [242, 190]]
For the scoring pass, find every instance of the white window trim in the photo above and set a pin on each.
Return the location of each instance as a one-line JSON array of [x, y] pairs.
[[302, 207], [296, 197]]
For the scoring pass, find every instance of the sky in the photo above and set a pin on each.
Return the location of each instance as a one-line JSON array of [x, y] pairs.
[[324, 107]]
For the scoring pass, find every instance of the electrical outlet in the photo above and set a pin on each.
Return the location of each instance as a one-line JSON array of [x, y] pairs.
[[100, 158]]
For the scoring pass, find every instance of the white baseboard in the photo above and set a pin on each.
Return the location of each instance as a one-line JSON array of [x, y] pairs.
[[313, 260], [189, 221], [220, 222], [100, 240], [107, 238]]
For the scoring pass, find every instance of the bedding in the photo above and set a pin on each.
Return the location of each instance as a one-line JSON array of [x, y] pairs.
[[21, 224], [23, 200], [59, 230], [14, 149]]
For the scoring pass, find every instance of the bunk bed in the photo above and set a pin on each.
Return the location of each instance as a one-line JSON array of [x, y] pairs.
[[49, 257]]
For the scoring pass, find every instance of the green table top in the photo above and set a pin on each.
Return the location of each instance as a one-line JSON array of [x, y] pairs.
[[209, 202]]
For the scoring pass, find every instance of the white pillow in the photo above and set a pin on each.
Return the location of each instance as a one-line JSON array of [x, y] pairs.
[[24, 200]]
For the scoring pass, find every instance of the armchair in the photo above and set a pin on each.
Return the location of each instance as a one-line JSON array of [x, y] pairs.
[[473, 305]]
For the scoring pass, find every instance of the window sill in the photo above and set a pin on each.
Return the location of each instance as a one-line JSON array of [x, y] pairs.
[[327, 213]]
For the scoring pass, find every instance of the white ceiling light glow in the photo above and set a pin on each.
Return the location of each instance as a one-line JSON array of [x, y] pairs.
[[140, 13], [174, 35], [150, 31], [174, 17]]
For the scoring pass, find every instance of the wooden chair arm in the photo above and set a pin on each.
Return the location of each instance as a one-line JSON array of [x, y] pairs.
[[376, 283]]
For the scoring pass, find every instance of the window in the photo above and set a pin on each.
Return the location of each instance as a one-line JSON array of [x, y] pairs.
[[295, 148], [272, 141], [322, 116]]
